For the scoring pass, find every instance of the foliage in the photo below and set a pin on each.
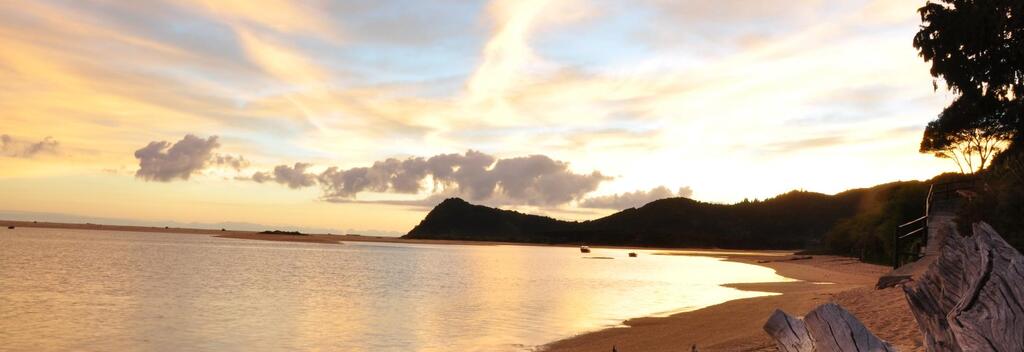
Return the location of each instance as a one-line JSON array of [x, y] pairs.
[[970, 142], [793, 220], [977, 49], [1000, 199], [858, 223], [868, 235]]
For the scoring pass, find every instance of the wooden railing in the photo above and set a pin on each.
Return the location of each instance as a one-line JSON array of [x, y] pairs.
[[913, 232], [910, 239]]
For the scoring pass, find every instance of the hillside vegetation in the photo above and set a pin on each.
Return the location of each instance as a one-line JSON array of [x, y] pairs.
[[857, 222]]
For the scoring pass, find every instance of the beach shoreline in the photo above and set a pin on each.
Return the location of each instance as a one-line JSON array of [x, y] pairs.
[[729, 326], [736, 325]]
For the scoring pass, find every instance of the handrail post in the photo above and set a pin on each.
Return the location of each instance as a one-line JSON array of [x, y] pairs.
[[896, 248]]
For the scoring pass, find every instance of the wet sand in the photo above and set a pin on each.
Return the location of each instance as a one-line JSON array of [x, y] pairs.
[[737, 325]]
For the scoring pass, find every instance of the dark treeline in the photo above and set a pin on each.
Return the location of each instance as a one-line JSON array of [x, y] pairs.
[[996, 197], [857, 222], [794, 220]]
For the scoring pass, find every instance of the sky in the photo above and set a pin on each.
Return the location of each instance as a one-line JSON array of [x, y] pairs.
[[361, 115]]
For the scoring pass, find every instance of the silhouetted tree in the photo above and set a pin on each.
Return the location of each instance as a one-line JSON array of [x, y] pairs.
[[970, 142], [977, 48]]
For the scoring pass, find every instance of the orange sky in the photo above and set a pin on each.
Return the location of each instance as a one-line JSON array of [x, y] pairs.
[[575, 103]]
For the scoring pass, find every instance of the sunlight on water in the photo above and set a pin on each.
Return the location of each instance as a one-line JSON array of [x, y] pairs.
[[94, 290]]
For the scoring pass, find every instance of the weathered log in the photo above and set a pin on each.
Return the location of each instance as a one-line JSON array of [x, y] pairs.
[[789, 333], [972, 297], [939, 289], [827, 328], [834, 329]]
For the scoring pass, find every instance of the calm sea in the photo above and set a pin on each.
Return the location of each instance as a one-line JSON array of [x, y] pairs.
[[114, 291]]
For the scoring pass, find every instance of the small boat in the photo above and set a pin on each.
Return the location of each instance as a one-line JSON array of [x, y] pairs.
[[632, 254], [10, 227], [584, 249]]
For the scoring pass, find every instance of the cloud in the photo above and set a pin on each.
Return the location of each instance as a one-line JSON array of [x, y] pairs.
[[668, 80], [277, 15], [832, 140], [539, 180], [293, 176], [507, 52], [468, 172], [796, 145], [634, 199], [417, 204], [163, 162], [232, 161], [530, 180], [22, 149]]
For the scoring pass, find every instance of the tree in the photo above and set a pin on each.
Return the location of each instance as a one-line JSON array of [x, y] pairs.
[[977, 48], [971, 138]]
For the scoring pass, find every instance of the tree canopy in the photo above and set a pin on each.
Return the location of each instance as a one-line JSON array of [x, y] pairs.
[[977, 48]]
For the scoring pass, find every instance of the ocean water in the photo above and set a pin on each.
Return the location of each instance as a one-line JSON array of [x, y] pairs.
[[115, 291]]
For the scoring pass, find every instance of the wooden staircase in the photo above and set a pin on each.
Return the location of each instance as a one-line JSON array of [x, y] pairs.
[[916, 243]]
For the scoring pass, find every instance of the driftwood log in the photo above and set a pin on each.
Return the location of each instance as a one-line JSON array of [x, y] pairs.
[[827, 328], [972, 297], [790, 333]]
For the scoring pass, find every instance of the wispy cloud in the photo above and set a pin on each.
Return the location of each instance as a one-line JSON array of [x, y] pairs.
[[11, 147]]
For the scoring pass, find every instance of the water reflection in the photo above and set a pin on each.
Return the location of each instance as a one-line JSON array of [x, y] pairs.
[[91, 290]]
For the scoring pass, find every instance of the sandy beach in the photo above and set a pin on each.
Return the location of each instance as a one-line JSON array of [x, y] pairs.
[[730, 326], [736, 325]]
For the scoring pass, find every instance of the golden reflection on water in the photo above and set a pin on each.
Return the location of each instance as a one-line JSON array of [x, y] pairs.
[[92, 290]]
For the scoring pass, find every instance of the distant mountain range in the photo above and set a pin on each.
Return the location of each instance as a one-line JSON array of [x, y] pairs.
[[797, 219]]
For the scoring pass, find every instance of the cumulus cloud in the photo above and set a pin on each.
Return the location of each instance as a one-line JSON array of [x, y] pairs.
[[161, 161], [539, 180], [9, 146], [634, 199], [531, 180], [293, 176], [164, 162]]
